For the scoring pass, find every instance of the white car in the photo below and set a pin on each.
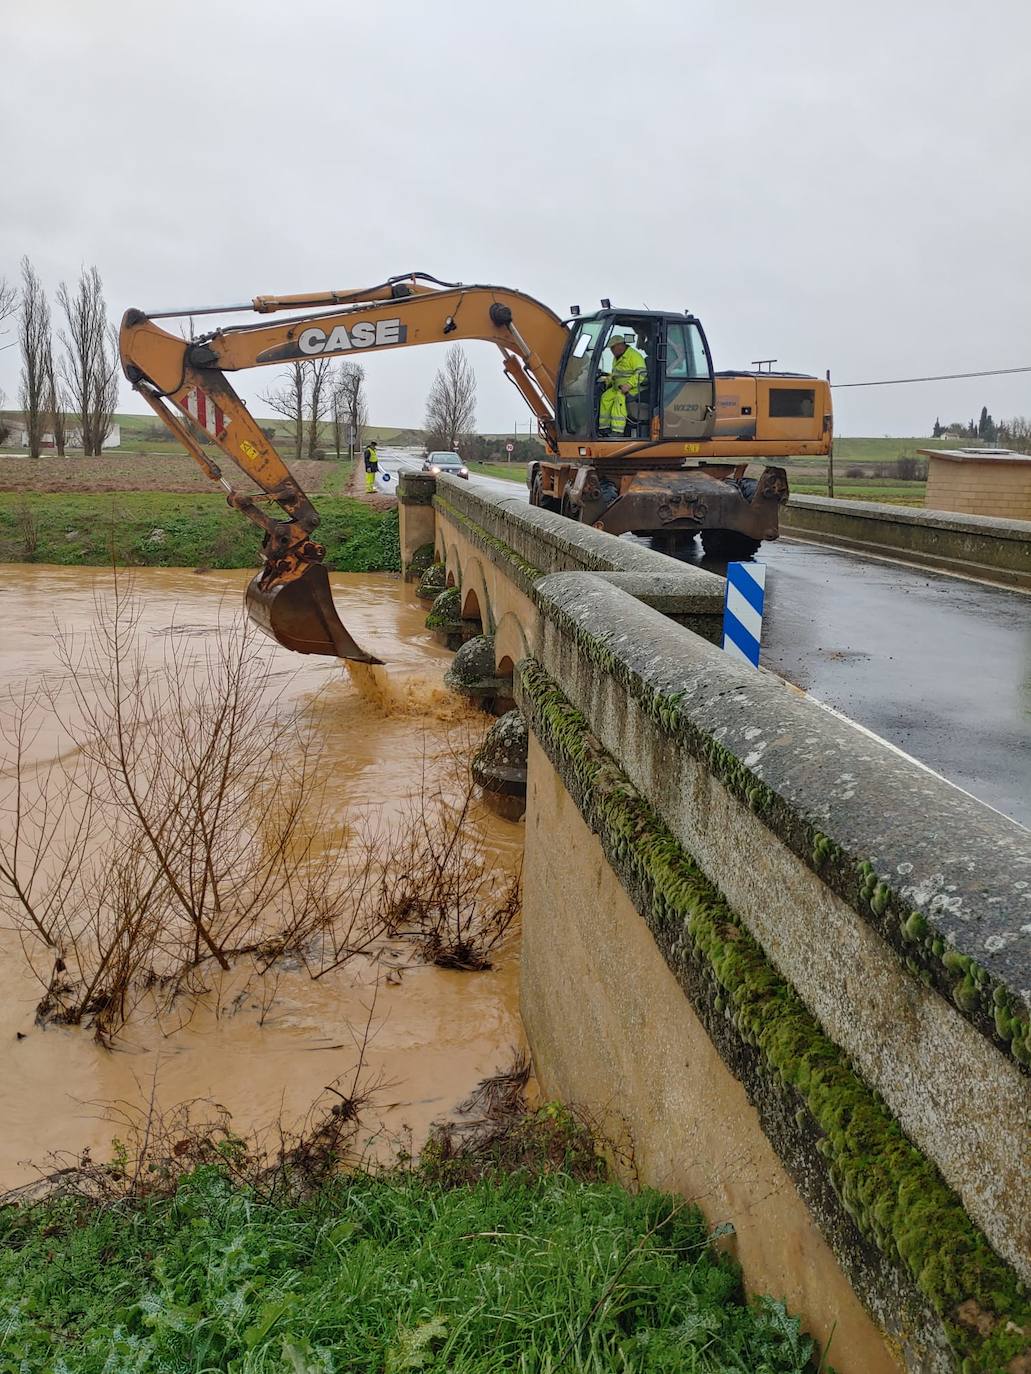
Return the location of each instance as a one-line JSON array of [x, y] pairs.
[[451, 463]]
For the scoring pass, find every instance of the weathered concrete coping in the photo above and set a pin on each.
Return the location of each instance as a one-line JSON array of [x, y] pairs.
[[945, 879], [990, 526], [981, 546], [552, 543]]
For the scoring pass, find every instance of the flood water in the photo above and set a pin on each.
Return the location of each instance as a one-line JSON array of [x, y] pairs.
[[266, 1048]]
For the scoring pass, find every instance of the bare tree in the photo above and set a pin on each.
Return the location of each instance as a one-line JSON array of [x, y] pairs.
[[55, 416], [288, 399], [319, 400], [350, 413], [8, 305], [89, 368], [451, 404], [8, 299], [1016, 433], [34, 339]]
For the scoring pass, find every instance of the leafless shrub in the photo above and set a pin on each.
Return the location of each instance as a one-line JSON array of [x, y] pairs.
[[440, 891], [496, 1131], [153, 1149], [28, 528], [176, 825]]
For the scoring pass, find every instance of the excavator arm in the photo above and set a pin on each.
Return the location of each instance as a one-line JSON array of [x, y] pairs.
[[184, 382]]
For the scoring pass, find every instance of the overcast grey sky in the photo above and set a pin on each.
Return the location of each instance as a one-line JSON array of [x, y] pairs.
[[833, 185]]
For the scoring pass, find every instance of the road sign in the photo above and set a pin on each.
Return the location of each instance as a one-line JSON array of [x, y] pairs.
[[743, 611], [510, 448]]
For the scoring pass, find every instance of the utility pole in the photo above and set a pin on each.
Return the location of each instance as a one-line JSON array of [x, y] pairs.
[[830, 455]]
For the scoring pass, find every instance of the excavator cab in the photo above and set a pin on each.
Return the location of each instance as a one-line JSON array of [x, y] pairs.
[[673, 396]]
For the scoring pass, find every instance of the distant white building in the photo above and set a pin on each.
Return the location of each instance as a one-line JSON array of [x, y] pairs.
[[74, 439]]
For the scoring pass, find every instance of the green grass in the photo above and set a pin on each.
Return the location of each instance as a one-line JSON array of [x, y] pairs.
[[382, 1275], [849, 489], [164, 530], [514, 472], [886, 448]]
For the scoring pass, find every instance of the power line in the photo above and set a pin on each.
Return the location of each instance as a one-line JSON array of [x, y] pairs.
[[942, 377]]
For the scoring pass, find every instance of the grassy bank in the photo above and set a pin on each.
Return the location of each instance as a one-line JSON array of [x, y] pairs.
[[161, 530], [513, 472], [382, 1274]]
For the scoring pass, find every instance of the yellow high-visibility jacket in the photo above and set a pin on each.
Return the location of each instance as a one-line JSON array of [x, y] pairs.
[[631, 369]]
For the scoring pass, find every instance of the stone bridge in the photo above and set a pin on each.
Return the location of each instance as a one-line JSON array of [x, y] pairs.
[[785, 962]]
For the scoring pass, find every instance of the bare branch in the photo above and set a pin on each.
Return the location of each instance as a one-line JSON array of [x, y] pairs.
[[288, 399], [350, 413], [451, 404], [35, 341], [89, 368]]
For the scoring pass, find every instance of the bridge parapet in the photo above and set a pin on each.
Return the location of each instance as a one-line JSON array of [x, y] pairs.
[[792, 961]]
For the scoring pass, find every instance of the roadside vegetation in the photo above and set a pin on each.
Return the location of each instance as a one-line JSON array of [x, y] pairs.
[[166, 530], [512, 1250]]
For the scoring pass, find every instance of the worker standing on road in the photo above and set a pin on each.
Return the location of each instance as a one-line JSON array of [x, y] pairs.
[[628, 376], [371, 466]]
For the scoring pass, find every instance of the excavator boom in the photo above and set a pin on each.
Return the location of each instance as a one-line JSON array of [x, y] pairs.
[[290, 598]]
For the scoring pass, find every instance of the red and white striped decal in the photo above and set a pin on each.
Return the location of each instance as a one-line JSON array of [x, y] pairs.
[[207, 414]]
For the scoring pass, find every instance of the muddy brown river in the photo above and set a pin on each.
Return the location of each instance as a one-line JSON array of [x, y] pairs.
[[265, 1050]]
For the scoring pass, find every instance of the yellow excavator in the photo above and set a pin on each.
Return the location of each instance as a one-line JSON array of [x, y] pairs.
[[676, 468]]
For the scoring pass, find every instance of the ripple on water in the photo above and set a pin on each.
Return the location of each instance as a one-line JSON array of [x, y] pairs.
[[384, 731]]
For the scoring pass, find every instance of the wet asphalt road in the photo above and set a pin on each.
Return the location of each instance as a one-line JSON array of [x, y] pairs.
[[938, 666]]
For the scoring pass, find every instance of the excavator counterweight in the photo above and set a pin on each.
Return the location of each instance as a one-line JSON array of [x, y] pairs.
[[638, 430]]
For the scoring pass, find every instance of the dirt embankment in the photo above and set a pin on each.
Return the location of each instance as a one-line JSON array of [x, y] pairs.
[[172, 472]]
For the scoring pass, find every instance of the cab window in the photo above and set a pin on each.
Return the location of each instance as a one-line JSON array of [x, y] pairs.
[[685, 352], [575, 402]]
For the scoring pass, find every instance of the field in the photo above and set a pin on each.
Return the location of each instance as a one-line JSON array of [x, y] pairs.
[[160, 529], [149, 460], [146, 434], [119, 470], [513, 472]]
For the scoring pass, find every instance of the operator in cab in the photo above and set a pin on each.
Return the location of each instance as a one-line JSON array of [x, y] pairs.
[[371, 465], [629, 376]]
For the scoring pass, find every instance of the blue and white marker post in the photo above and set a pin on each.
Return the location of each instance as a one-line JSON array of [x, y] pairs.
[[743, 611]]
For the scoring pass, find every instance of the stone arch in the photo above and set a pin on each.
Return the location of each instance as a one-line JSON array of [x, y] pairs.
[[509, 643], [475, 597], [471, 605], [454, 567]]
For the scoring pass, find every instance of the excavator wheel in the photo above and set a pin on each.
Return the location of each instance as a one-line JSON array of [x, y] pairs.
[[729, 545], [537, 497], [674, 543]]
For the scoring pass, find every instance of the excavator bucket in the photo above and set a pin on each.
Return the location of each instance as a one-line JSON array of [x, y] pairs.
[[299, 614]]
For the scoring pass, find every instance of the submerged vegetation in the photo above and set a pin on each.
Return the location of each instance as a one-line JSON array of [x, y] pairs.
[[183, 822]]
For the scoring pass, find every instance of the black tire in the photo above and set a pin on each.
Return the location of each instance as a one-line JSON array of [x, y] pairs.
[[674, 543], [729, 545], [537, 498]]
